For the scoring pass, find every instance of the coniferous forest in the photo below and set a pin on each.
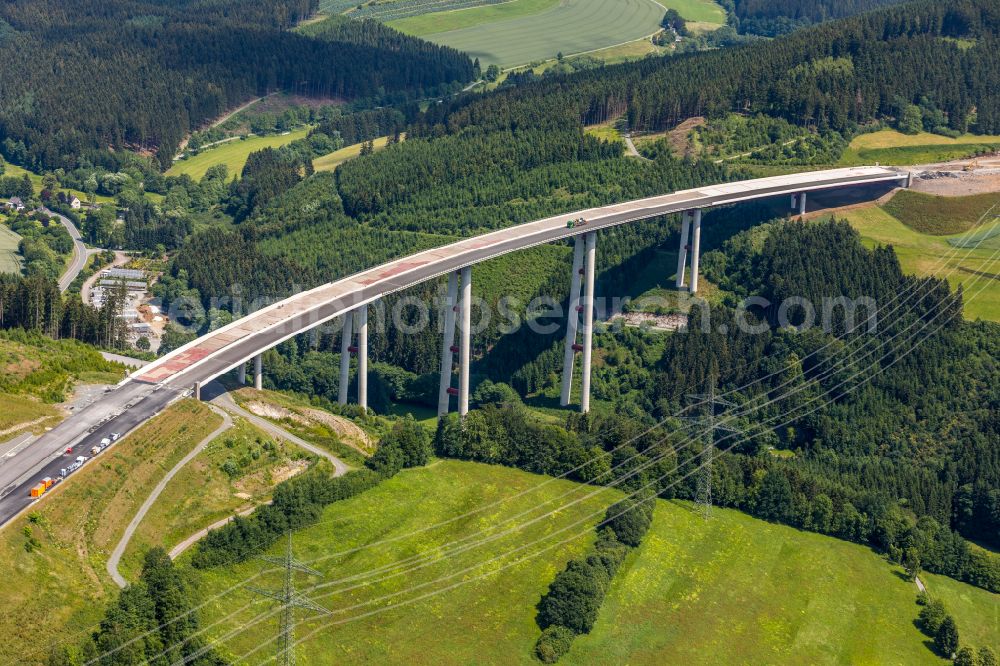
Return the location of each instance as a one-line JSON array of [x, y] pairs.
[[84, 76]]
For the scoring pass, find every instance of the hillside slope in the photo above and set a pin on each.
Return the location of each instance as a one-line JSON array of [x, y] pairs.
[[734, 589]]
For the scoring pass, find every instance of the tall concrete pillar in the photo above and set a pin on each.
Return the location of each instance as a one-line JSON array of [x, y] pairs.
[[346, 339], [802, 203], [258, 372], [794, 202], [363, 356], [241, 374], [572, 321], [465, 348], [448, 346], [683, 252], [695, 250], [196, 391], [588, 318]]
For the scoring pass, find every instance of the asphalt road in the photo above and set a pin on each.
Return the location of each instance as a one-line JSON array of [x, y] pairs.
[[79, 250], [152, 388], [45, 457], [116, 554]]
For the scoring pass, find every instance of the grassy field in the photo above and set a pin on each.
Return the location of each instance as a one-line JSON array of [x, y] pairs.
[[893, 148], [36, 180], [232, 153], [697, 11], [333, 160], [538, 29], [37, 372], [732, 590], [485, 621], [203, 493], [10, 258], [740, 590], [606, 132], [921, 254], [59, 588], [19, 413], [636, 50], [426, 24], [976, 611], [943, 216], [425, 416]]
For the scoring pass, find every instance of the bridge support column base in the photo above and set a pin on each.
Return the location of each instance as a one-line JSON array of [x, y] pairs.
[[258, 372]]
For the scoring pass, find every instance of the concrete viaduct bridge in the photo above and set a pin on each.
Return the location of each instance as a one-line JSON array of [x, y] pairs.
[[245, 339], [151, 389]]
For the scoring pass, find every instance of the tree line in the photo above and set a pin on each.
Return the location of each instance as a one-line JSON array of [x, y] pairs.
[[175, 68]]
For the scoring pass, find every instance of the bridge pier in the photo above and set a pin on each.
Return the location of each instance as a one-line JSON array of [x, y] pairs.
[[802, 203], [695, 249], [347, 348], [363, 357], [683, 252], [346, 337], [572, 321], [448, 347], [241, 374], [457, 307], [465, 347], [590, 259], [258, 372]]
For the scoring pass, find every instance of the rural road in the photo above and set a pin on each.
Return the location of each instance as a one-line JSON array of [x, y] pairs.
[[200, 534], [632, 150], [79, 250], [116, 554], [120, 260], [225, 400], [222, 404]]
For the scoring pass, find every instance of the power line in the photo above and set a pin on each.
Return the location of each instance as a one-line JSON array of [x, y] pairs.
[[290, 600]]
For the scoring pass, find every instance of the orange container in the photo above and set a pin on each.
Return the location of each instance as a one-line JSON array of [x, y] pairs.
[[36, 491], [47, 481]]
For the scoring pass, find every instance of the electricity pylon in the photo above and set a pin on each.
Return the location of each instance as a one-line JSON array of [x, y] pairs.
[[707, 425], [290, 600]]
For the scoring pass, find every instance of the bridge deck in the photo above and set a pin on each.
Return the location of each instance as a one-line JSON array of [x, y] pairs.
[[221, 350]]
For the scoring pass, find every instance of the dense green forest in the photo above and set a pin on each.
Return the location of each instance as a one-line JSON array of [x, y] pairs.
[[835, 75], [778, 17], [34, 303], [177, 65]]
